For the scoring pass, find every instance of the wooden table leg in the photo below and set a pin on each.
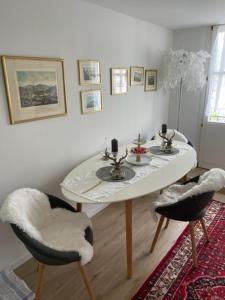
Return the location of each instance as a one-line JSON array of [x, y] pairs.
[[79, 207], [128, 207]]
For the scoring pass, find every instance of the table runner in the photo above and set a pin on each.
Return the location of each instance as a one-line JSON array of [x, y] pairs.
[[93, 189]]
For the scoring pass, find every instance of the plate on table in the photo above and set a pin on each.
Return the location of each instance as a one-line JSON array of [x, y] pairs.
[[145, 160], [157, 151], [104, 174]]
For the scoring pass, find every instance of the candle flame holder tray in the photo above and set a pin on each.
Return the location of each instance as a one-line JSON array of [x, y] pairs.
[[105, 174]]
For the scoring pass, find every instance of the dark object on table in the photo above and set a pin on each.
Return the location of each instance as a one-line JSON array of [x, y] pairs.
[[164, 128], [190, 210], [114, 146]]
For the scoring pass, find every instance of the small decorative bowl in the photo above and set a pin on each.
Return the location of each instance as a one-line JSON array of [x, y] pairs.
[[140, 150]]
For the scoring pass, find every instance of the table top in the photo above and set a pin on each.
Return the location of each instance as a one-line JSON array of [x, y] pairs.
[[159, 179]]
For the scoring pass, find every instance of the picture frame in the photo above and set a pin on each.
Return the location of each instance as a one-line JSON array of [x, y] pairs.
[[89, 72], [35, 88], [91, 101], [150, 80], [119, 81], [137, 76]]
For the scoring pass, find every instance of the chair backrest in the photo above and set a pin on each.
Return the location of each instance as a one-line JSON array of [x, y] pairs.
[[189, 209], [196, 199], [28, 208]]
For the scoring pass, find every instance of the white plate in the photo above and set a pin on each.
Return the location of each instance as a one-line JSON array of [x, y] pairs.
[[145, 160]]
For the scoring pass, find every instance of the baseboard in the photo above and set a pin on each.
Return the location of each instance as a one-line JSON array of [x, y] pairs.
[[21, 260], [96, 209], [207, 165]]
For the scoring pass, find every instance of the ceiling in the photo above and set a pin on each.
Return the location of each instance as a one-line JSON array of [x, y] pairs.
[[173, 14]]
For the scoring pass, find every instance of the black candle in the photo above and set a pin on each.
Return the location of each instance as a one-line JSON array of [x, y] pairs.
[[164, 128], [114, 145]]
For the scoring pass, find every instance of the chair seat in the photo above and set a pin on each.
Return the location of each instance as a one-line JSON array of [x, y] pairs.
[[66, 232]]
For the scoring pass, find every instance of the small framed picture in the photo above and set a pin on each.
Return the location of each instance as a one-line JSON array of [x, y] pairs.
[[91, 101], [119, 81], [35, 87], [150, 80], [89, 72], [136, 76]]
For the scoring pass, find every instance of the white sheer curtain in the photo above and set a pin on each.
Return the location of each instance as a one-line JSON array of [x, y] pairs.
[[216, 89]]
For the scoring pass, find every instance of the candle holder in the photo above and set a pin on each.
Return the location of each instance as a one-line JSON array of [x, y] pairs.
[[167, 142], [139, 142], [117, 171]]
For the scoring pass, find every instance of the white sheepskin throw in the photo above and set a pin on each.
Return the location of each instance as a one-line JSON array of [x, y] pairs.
[[178, 136], [213, 180], [56, 228]]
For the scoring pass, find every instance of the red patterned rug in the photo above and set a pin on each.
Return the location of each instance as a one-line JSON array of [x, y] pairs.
[[175, 278]]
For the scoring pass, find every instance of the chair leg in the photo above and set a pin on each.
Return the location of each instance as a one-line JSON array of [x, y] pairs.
[[40, 273], [184, 178], [204, 229], [167, 223], [194, 253], [157, 233], [79, 207], [86, 281]]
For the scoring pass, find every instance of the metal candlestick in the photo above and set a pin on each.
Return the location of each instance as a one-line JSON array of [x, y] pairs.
[[167, 142], [117, 171]]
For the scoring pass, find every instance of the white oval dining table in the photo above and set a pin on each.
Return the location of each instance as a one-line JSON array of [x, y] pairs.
[[162, 177]]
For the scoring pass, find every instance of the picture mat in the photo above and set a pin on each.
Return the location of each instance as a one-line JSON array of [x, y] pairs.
[[119, 81], [136, 76], [89, 72], [91, 101], [150, 80]]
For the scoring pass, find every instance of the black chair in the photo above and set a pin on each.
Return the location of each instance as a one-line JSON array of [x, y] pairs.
[[190, 210], [48, 256]]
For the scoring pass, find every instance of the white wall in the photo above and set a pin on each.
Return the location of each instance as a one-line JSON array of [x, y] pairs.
[[193, 39], [39, 154]]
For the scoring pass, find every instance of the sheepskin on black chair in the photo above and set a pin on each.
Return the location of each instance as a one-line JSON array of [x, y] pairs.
[[51, 229], [188, 202]]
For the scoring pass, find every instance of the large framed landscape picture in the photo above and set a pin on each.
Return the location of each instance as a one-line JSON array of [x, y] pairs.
[[91, 101], [35, 88]]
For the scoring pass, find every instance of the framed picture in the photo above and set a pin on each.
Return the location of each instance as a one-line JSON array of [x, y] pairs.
[[35, 88], [136, 76], [91, 101], [89, 72], [150, 80], [119, 81]]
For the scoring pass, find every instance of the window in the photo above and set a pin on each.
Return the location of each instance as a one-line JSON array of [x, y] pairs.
[[216, 91]]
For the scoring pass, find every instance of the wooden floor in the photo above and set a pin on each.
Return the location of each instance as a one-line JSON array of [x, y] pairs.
[[108, 267]]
